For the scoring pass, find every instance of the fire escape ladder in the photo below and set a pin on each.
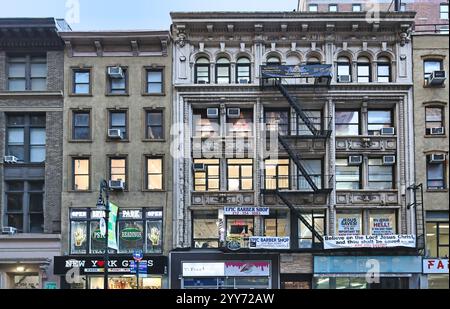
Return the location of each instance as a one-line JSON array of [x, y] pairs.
[[294, 103], [297, 162], [299, 216], [418, 207]]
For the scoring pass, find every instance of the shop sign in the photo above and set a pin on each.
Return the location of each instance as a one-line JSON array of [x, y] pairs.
[[203, 269], [369, 241], [116, 264], [246, 211], [234, 243], [78, 214], [154, 214], [131, 234], [245, 269], [130, 214], [435, 266], [257, 242]]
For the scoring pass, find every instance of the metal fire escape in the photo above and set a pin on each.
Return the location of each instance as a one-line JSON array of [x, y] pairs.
[[419, 213], [272, 77]]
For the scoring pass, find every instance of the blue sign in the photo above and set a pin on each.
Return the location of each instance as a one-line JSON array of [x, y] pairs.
[[295, 71], [138, 255], [361, 264], [142, 267]]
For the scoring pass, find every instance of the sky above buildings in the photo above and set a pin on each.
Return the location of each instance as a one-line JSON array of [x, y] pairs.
[[129, 14]]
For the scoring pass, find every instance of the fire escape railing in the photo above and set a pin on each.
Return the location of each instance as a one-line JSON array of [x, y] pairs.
[[419, 211]]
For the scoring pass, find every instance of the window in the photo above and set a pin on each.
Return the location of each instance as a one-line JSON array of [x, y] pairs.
[[154, 125], [356, 8], [205, 230], [381, 176], [243, 71], [305, 236], [383, 70], [402, 7], [276, 224], [347, 122], [81, 125], [435, 174], [154, 173], [434, 118], [27, 73], [347, 176], [240, 174], [26, 137], [344, 70], [202, 71], [378, 119], [81, 174], [382, 222], [205, 126], [443, 11], [276, 173], [25, 206], [137, 229], [431, 65], [273, 60], [241, 228], [332, 8], [348, 222], [364, 70], [117, 84], [241, 126], [314, 170], [118, 169], [223, 71], [208, 178], [81, 81], [313, 8], [118, 121], [154, 81], [437, 239], [277, 120], [315, 117]]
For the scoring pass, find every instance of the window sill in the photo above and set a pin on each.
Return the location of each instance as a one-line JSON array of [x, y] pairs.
[[26, 164], [80, 95], [80, 191], [117, 94], [434, 86], [436, 190], [148, 140], [109, 140], [153, 94], [148, 190], [81, 141], [435, 136]]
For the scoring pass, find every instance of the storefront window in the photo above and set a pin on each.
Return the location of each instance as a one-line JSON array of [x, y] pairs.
[[130, 236], [437, 239], [382, 222], [276, 224], [240, 227], [79, 237], [305, 235], [348, 222], [126, 283], [205, 229], [27, 281]]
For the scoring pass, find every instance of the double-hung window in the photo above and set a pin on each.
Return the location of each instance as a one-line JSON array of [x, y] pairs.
[[240, 174], [27, 73], [81, 174], [436, 172], [276, 174], [154, 81], [81, 81], [154, 125], [347, 122], [381, 176], [223, 71], [434, 120], [377, 120], [243, 71], [154, 173], [81, 125], [348, 177]]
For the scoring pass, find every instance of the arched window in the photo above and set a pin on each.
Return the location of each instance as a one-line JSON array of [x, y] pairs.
[[313, 60], [243, 67], [364, 70], [273, 60], [383, 70], [344, 70], [292, 60], [202, 71], [223, 71]]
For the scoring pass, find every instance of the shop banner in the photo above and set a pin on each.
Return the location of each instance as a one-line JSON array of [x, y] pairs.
[[369, 241], [112, 237], [349, 225], [246, 211], [296, 71], [247, 269], [435, 266], [257, 242], [203, 269]]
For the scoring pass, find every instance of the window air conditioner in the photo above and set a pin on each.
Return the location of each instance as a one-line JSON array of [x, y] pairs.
[[9, 230], [114, 133], [234, 112], [10, 159], [437, 131], [388, 160], [244, 81], [437, 78], [355, 160], [344, 78], [387, 131], [116, 184], [115, 72], [199, 167], [437, 158], [212, 112]]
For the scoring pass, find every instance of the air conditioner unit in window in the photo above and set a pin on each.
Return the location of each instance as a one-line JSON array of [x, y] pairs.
[[234, 112], [387, 131], [244, 81], [437, 158], [9, 230], [212, 112], [354, 160], [115, 72], [199, 167], [10, 159], [388, 160], [437, 131], [115, 134], [344, 78], [116, 184], [437, 78]]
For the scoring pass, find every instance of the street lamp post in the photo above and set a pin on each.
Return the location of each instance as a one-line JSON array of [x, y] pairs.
[[104, 205]]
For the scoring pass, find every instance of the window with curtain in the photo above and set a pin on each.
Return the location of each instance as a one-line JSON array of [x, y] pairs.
[[154, 125], [347, 122], [154, 172]]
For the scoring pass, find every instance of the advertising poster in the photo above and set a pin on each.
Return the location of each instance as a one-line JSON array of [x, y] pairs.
[[369, 241], [112, 238], [348, 224], [243, 269], [382, 224]]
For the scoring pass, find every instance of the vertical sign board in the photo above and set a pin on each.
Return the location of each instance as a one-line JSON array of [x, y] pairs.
[[112, 237]]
